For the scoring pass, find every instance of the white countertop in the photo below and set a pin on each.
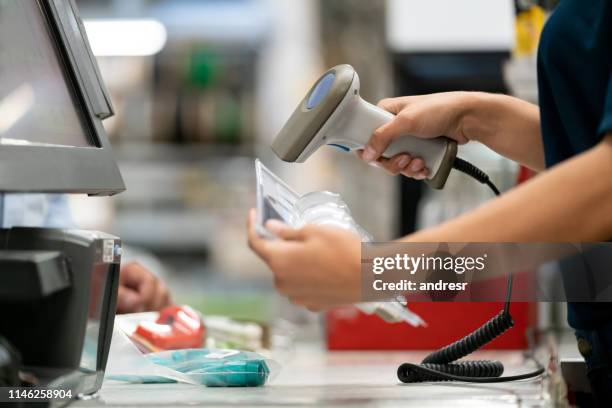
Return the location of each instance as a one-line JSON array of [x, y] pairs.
[[312, 376]]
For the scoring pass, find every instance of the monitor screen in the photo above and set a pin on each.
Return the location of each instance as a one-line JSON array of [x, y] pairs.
[[37, 102]]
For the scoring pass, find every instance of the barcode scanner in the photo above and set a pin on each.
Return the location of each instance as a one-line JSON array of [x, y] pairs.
[[333, 113]]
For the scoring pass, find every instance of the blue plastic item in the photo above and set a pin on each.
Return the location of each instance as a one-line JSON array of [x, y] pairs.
[[216, 368]]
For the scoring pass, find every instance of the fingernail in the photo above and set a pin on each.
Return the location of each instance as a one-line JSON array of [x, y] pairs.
[[403, 162], [369, 154], [415, 166], [423, 174]]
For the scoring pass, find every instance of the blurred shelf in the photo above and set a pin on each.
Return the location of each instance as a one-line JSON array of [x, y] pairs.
[[177, 232], [183, 199], [227, 22], [151, 151]]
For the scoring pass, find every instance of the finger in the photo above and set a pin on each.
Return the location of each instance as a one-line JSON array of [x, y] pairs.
[[161, 297], [314, 309], [417, 165], [147, 287], [128, 301], [415, 169], [396, 164], [393, 105], [257, 243], [375, 163], [382, 138], [282, 230], [422, 175], [168, 299], [131, 274]]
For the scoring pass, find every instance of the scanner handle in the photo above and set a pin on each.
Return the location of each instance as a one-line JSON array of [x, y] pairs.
[[438, 154], [364, 118]]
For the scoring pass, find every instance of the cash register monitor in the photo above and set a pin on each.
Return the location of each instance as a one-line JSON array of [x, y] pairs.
[[52, 102]]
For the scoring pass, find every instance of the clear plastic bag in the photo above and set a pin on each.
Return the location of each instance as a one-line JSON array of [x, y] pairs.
[[276, 200], [216, 367], [204, 366]]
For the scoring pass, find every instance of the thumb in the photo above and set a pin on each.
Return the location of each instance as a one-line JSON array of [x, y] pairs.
[[282, 230], [383, 136]]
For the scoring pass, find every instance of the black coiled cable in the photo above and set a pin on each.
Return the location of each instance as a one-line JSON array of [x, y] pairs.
[[473, 341], [474, 172], [441, 361], [441, 365]]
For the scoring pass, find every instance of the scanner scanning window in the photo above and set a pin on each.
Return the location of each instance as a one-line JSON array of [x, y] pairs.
[[37, 101]]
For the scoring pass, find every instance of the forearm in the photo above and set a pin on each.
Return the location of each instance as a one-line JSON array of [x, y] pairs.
[[572, 202], [507, 125]]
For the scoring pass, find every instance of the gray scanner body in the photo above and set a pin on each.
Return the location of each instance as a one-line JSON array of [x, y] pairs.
[[333, 113]]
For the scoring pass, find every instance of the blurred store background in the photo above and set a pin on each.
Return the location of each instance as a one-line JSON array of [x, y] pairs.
[[200, 88]]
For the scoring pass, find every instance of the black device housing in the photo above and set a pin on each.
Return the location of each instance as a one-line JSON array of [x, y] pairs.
[[58, 293]]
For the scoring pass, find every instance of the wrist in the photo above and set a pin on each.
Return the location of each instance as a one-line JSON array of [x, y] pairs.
[[475, 118]]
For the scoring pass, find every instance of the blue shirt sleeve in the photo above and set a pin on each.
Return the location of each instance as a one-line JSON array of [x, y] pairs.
[[58, 213], [606, 120], [36, 210]]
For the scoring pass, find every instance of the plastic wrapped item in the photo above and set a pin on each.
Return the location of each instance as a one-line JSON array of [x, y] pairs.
[[276, 200], [395, 311], [177, 327], [223, 332], [327, 208], [201, 366], [216, 367]]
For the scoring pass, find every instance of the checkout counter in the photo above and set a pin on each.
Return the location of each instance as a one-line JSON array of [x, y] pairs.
[[315, 377]]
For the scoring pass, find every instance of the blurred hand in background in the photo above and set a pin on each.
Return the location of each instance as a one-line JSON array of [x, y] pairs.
[[140, 290]]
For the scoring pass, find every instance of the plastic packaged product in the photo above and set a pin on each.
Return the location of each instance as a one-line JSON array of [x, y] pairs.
[[212, 367], [177, 327], [276, 200], [216, 367], [209, 367]]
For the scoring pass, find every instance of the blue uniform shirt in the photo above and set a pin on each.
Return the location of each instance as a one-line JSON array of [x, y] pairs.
[[575, 94], [35, 210]]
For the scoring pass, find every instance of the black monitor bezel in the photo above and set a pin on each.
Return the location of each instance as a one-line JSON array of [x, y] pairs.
[[45, 168]]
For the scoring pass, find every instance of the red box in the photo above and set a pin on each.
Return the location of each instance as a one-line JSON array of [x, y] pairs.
[[350, 329]]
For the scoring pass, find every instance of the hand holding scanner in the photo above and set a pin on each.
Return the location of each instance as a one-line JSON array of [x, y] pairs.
[[333, 113]]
